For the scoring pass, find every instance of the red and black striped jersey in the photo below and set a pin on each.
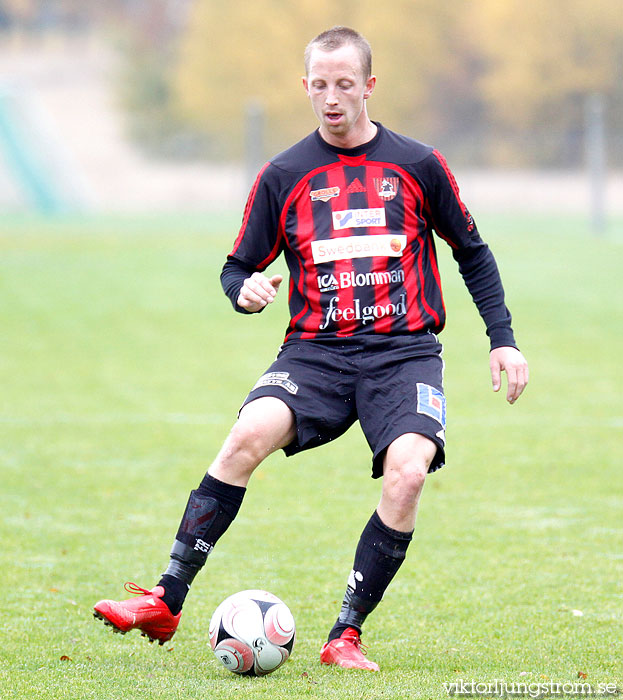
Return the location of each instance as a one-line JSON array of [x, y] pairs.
[[356, 229]]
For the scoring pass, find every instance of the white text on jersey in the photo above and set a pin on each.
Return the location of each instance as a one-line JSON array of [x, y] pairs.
[[381, 245], [346, 280]]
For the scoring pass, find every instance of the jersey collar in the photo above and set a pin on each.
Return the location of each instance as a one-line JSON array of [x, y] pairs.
[[357, 151]]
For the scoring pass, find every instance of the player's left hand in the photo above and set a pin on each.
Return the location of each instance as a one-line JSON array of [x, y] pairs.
[[511, 361]]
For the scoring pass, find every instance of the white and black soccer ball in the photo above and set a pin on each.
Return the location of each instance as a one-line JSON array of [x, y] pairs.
[[252, 633]]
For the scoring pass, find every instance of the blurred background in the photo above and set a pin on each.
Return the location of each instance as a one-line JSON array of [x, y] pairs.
[[171, 105]]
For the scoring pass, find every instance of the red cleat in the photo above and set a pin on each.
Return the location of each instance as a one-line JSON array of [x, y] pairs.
[[346, 651], [148, 613]]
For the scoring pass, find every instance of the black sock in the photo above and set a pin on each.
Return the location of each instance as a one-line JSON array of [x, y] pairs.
[[229, 495], [175, 592], [210, 510], [379, 554]]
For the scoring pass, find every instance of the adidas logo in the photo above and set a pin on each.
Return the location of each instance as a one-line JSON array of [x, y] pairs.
[[355, 186]]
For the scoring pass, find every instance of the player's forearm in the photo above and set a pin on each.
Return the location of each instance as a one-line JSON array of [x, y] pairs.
[[233, 275], [482, 278]]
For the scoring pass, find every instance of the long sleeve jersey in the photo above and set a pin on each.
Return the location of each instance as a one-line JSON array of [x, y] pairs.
[[356, 228]]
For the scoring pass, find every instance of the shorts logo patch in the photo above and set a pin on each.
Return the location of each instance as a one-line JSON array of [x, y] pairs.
[[431, 402], [281, 379]]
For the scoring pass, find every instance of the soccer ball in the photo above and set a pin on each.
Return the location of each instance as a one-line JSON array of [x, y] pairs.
[[252, 633]]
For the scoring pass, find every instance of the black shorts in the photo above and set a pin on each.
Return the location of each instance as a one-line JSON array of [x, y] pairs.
[[391, 384]]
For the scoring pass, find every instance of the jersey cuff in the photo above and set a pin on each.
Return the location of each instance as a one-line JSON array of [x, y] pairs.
[[502, 338]]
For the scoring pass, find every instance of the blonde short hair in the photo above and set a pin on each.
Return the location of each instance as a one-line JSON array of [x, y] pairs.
[[335, 38]]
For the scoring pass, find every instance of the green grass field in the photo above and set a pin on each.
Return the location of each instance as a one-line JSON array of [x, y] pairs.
[[122, 367]]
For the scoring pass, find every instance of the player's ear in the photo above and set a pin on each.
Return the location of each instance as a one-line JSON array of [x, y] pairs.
[[305, 84], [370, 83]]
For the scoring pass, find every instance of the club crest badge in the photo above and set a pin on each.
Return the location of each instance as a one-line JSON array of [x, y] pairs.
[[386, 187]]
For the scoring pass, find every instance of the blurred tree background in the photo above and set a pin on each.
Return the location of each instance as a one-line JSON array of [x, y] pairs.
[[490, 82]]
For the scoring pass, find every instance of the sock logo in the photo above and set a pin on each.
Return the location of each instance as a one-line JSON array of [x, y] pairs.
[[201, 546], [353, 577]]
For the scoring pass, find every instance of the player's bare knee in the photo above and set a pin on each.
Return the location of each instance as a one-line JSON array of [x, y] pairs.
[[414, 477], [407, 481], [247, 443]]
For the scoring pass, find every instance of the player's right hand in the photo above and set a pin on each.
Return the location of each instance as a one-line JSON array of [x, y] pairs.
[[258, 291]]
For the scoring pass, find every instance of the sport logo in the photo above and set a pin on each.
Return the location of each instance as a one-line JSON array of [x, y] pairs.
[[386, 187], [343, 218], [358, 218], [355, 186], [324, 195], [348, 247]]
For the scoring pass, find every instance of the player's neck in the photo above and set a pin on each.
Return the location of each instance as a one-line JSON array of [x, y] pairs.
[[357, 136]]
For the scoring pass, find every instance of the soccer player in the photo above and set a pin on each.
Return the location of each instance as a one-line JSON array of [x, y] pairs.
[[353, 208]]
